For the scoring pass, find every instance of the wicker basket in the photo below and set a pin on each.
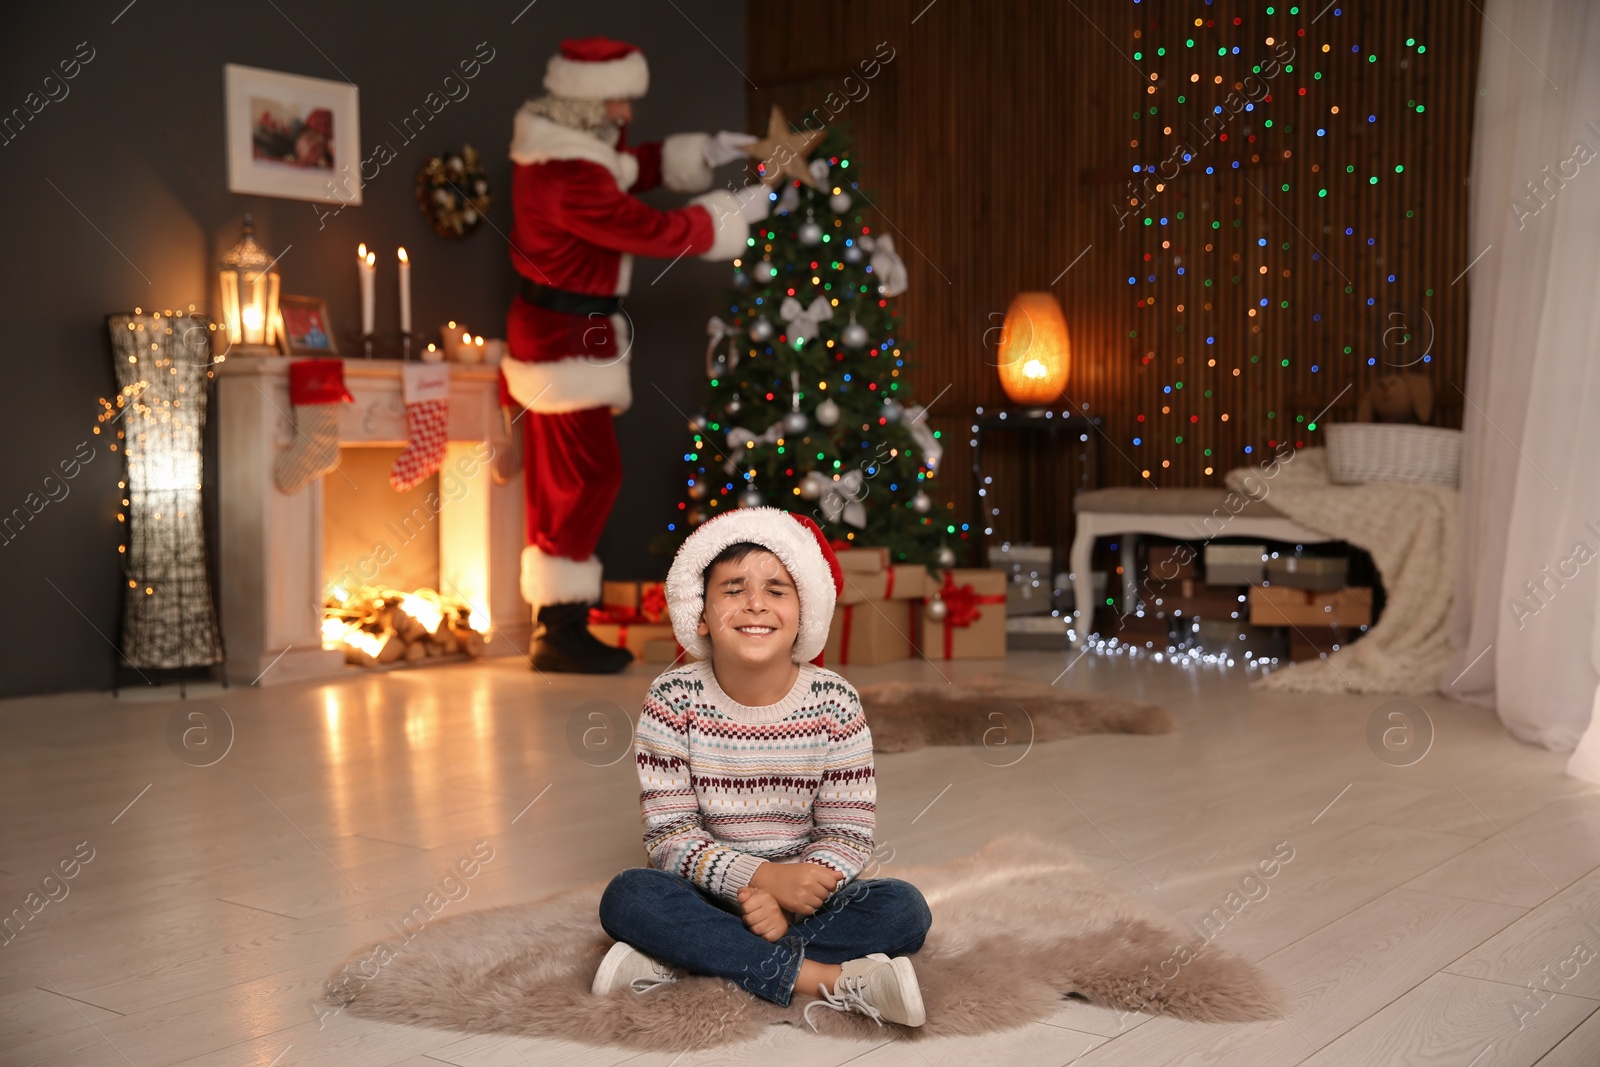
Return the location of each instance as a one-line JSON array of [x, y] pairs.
[[1361, 452]]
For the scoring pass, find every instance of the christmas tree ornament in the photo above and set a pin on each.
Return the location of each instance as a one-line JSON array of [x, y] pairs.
[[819, 174], [750, 497], [783, 152], [887, 266], [852, 253], [795, 422], [854, 335], [803, 323], [760, 330], [920, 503], [697, 515], [840, 202], [699, 423], [789, 199], [699, 490], [891, 410], [946, 557], [811, 488], [316, 389], [719, 362], [810, 232], [734, 405], [426, 388], [827, 413], [936, 609], [741, 279]]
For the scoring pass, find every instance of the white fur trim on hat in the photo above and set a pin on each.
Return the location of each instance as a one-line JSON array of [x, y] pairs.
[[548, 579], [683, 163], [731, 235], [613, 79], [779, 533]]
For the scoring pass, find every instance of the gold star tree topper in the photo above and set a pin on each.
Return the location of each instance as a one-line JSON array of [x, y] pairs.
[[783, 153]]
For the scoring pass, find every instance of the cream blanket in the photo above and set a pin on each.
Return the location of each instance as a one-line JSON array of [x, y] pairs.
[[1410, 530]]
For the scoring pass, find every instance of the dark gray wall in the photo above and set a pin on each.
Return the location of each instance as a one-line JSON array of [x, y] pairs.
[[116, 196]]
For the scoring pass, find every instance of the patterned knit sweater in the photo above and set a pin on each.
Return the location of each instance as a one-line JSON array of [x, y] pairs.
[[724, 786]]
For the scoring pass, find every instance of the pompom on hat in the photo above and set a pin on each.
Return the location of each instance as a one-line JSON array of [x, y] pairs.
[[800, 547], [597, 68]]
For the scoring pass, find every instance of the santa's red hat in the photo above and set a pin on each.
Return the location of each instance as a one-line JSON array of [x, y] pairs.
[[597, 68], [800, 547]]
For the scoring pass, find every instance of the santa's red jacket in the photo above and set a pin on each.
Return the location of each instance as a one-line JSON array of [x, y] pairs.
[[577, 227]]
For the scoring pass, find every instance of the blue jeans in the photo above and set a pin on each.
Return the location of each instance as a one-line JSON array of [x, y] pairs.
[[666, 916]]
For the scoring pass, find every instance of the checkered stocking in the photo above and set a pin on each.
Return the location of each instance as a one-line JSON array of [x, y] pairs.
[[427, 396]]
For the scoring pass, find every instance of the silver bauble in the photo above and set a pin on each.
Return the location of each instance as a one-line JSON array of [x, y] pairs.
[[827, 413], [795, 422], [936, 609], [751, 497], [698, 423], [760, 330], [839, 202], [810, 233], [892, 410], [734, 405], [810, 489], [766, 271], [920, 503], [699, 490], [946, 557], [854, 335], [852, 254]]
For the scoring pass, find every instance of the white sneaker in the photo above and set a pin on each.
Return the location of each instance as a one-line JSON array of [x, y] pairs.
[[625, 967], [877, 987]]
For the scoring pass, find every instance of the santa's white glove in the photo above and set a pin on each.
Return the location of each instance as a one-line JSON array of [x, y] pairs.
[[755, 200], [725, 147]]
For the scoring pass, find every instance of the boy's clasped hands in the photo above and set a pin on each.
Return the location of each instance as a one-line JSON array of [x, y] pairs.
[[778, 892]]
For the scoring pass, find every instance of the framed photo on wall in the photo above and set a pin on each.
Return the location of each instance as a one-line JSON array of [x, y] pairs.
[[306, 328], [293, 136]]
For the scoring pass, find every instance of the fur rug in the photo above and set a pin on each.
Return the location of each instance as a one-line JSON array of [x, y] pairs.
[[1016, 927], [994, 710]]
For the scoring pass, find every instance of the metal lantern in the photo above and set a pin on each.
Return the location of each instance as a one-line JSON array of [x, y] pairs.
[[249, 292], [1035, 353]]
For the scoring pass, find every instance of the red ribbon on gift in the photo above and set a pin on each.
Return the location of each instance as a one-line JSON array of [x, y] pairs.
[[615, 615], [653, 605], [961, 608]]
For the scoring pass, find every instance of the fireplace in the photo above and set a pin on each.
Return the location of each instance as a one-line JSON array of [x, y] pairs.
[[320, 580]]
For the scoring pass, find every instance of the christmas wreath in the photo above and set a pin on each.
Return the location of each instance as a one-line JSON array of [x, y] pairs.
[[453, 192]]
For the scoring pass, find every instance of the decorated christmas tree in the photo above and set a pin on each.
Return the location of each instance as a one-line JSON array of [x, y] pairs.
[[808, 406]]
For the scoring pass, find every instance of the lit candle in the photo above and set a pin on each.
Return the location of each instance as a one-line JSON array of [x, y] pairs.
[[368, 265], [405, 292]]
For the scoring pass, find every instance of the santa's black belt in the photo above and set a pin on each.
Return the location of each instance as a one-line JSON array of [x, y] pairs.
[[567, 302]]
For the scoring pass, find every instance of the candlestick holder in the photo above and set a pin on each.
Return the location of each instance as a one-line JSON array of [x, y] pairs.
[[366, 344], [405, 345]]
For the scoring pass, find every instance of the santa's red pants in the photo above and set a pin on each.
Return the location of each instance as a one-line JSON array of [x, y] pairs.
[[572, 471]]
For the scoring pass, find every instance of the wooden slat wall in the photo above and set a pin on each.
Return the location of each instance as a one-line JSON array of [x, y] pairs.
[[999, 139]]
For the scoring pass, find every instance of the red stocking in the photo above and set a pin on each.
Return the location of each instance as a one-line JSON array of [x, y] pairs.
[[427, 396]]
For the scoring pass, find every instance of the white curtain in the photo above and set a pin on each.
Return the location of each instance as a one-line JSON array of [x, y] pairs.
[[1527, 614]]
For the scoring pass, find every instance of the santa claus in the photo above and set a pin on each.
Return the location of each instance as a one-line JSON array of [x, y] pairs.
[[576, 228]]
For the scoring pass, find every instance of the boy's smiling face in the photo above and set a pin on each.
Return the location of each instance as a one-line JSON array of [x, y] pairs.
[[752, 612]]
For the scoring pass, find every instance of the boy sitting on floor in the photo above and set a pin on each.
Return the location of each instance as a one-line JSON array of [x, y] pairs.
[[758, 793]]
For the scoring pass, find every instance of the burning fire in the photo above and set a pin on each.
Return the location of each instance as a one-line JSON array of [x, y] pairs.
[[375, 625]]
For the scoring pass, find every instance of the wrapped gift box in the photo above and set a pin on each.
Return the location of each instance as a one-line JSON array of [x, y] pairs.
[[1166, 563], [861, 559], [666, 650], [1309, 572], [1277, 605], [646, 601], [870, 632], [1047, 632], [629, 635], [1235, 564], [974, 625], [902, 581]]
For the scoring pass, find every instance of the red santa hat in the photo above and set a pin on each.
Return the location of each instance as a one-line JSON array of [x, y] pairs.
[[597, 68], [800, 547]]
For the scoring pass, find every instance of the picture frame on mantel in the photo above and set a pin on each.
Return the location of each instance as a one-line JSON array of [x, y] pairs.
[[304, 327], [292, 136]]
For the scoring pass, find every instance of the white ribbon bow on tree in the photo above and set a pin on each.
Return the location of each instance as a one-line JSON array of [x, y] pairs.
[[841, 497], [741, 440], [804, 322], [887, 266], [717, 330], [932, 450]]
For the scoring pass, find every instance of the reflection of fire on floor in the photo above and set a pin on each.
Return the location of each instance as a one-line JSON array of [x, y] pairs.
[[376, 626]]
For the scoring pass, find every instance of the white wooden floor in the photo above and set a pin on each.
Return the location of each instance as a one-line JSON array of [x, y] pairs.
[[1420, 904]]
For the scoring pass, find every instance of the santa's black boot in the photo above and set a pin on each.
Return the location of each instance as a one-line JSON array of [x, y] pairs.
[[562, 642]]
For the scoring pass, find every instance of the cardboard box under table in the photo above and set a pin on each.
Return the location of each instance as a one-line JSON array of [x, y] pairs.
[[974, 625], [1277, 605]]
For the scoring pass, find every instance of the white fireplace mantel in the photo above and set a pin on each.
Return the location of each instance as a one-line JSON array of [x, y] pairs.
[[270, 543]]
